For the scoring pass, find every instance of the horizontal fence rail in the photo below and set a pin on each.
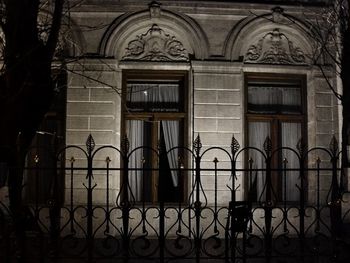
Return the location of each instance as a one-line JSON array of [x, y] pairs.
[[85, 204]]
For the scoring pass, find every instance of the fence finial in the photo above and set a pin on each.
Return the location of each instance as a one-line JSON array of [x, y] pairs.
[[234, 145], [268, 145], [301, 146], [90, 143], [197, 144], [333, 145], [125, 144]]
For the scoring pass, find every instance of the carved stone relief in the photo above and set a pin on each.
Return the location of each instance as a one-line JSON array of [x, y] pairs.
[[275, 48], [155, 45], [2, 43]]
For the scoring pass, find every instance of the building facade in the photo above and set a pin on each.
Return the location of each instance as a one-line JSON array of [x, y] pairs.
[[187, 130], [166, 72]]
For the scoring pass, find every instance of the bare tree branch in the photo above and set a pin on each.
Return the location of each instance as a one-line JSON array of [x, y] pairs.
[[336, 94], [55, 27], [118, 91]]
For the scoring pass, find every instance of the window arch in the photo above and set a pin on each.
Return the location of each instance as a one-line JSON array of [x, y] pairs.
[[252, 30], [127, 27]]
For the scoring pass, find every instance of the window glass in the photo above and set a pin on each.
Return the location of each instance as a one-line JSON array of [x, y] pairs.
[[155, 116], [274, 97], [153, 97], [274, 110]]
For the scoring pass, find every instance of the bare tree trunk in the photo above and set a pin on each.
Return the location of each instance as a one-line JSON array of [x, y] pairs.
[[26, 91], [345, 77]]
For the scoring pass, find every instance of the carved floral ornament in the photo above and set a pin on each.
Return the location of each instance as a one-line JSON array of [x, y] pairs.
[[275, 48], [155, 45], [2, 43]]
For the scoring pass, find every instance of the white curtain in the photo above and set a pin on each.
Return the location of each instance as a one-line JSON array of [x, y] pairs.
[[171, 138], [291, 96], [263, 95], [274, 96], [135, 133], [258, 131], [152, 93], [291, 133]]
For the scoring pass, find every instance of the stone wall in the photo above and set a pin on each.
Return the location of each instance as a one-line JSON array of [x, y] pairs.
[[216, 37]]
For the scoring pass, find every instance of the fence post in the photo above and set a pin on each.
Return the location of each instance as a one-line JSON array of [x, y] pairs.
[[54, 204], [335, 203], [234, 149], [302, 147], [269, 202], [197, 145], [90, 145], [125, 202], [161, 238]]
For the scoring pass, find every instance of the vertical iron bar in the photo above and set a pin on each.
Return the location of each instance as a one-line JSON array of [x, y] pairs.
[[268, 211], [36, 160], [162, 159], [55, 205], [161, 206], [216, 194], [90, 209], [143, 163], [318, 210], [179, 171], [107, 196], [250, 191], [302, 207], [335, 206], [318, 207], [233, 238], [125, 204], [71, 212], [197, 207], [197, 145], [285, 215]]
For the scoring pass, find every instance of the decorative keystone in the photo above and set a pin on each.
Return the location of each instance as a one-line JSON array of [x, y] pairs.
[[277, 14], [154, 9]]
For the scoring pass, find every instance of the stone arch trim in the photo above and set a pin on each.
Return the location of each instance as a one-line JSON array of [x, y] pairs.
[[130, 26], [261, 40]]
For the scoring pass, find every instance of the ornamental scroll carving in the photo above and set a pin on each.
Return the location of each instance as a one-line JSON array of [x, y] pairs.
[[275, 48], [2, 43], [155, 45]]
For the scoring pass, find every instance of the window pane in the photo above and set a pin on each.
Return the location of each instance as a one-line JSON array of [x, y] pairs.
[[169, 136], [153, 97], [139, 134], [258, 132], [290, 133], [274, 98]]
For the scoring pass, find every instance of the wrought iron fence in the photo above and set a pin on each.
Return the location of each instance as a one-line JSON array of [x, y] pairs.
[[234, 210]]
